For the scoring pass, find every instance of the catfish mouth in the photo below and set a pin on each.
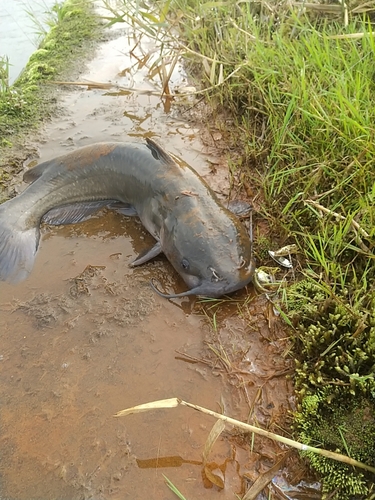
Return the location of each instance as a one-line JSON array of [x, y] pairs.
[[209, 289]]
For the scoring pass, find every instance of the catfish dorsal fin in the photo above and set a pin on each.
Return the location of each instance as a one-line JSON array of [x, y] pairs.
[[159, 153], [34, 173]]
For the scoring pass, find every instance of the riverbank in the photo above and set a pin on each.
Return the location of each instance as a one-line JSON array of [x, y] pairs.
[[32, 100], [275, 110]]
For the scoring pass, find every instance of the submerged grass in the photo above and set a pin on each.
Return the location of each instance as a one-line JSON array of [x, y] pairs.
[[298, 82], [174, 488]]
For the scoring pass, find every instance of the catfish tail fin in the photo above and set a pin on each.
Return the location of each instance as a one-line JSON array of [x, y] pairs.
[[17, 250]]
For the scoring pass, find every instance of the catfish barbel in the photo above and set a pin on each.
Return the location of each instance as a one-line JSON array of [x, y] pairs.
[[206, 244]]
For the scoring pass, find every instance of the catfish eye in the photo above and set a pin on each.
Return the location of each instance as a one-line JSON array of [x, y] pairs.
[[185, 264]]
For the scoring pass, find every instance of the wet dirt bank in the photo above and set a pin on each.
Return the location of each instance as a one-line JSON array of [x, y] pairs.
[[84, 336]]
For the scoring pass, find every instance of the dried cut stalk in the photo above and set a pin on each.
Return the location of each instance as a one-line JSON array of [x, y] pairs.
[[356, 227], [174, 402]]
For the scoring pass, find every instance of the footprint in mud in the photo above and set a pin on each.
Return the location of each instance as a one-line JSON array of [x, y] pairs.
[[92, 295]]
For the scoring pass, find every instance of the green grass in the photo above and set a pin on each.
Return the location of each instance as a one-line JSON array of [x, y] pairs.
[[301, 94], [173, 488], [51, 17], [4, 74]]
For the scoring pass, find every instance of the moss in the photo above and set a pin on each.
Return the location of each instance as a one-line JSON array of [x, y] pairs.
[[332, 419], [339, 479], [24, 105], [334, 378], [335, 340]]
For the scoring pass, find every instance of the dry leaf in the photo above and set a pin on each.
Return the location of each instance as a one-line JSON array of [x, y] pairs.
[[162, 403], [264, 479], [214, 478], [215, 432]]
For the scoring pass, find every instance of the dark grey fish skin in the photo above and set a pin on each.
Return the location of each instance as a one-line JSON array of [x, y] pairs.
[[204, 242]]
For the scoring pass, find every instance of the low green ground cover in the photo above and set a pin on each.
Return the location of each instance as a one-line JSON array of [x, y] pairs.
[[299, 87]]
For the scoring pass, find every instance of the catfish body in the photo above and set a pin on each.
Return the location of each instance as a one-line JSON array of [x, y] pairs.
[[205, 243]]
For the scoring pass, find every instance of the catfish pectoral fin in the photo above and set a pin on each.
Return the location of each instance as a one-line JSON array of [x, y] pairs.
[[73, 213], [123, 208], [148, 255], [240, 208]]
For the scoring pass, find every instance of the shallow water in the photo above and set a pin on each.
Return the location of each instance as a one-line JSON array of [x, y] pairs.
[[84, 336], [74, 352]]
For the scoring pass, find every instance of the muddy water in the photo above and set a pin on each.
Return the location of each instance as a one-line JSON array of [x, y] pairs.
[[84, 336]]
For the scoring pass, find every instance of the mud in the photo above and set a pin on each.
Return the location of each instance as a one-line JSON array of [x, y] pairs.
[[84, 336]]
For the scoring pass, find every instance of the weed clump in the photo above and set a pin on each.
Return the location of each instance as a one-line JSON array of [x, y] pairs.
[[334, 341], [333, 419], [335, 366]]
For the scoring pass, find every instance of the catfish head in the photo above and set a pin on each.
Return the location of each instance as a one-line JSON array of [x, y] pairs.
[[213, 254]]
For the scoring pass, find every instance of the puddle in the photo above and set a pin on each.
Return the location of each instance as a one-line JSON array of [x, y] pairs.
[[84, 337]]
